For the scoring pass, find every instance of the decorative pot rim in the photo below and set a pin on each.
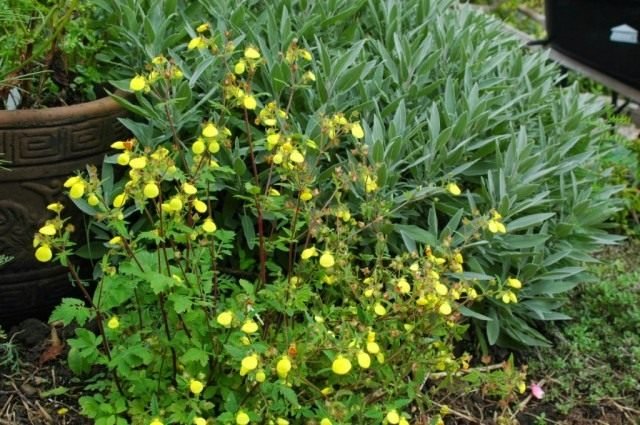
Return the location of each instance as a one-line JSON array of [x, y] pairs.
[[60, 115]]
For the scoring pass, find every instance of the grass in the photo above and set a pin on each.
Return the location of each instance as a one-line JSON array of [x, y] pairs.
[[595, 362]]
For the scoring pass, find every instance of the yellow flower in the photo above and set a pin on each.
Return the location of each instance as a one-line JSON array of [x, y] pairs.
[[441, 289], [282, 421], [249, 102], [113, 323], [175, 204], [225, 318], [373, 347], [522, 387], [123, 158], [370, 184], [308, 253], [249, 363], [93, 200], [283, 367], [199, 206], [159, 60], [214, 147], [239, 67], [209, 226], [62, 411], [44, 253], [242, 418], [251, 53], [308, 76], [56, 207], [77, 190], [393, 417], [197, 43], [202, 27], [138, 83], [403, 286], [356, 130], [120, 200], [514, 283], [116, 240], [326, 421], [189, 189], [341, 365], [326, 391], [327, 260], [249, 327], [379, 309], [209, 130], [196, 386], [495, 226], [445, 309], [453, 189], [277, 158], [296, 157], [48, 230], [260, 376], [156, 421], [306, 195], [138, 163], [403, 421], [364, 360], [151, 190], [198, 146]]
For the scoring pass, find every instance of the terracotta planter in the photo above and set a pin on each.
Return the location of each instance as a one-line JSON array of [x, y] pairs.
[[43, 148]]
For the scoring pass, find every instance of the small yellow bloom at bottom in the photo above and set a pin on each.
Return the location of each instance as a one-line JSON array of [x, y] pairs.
[[514, 283], [283, 367], [379, 309], [403, 421], [199, 421], [453, 189], [249, 363], [156, 421], [151, 190], [373, 347], [44, 254], [48, 230], [77, 190], [282, 421], [225, 318], [326, 421], [327, 260], [249, 327], [522, 387], [249, 102], [198, 147], [242, 418], [113, 323], [196, 386], [120, 200], [445, 309], [341, 365], [62, 411], [306, 195], [137, 83], [393, 417], [209, 226], [364, 360]]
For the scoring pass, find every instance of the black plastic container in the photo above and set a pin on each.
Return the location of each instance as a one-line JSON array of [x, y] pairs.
[[603, 34]]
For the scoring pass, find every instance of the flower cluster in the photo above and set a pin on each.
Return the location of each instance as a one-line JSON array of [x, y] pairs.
[[295, 307]]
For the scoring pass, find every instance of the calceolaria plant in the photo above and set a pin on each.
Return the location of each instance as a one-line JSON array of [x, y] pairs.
[[244, 277]]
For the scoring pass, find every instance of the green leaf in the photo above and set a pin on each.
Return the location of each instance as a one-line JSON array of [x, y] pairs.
[[70, 310], [467, 312]]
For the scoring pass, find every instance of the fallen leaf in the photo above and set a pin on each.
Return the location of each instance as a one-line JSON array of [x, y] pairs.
[[55, 348]]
